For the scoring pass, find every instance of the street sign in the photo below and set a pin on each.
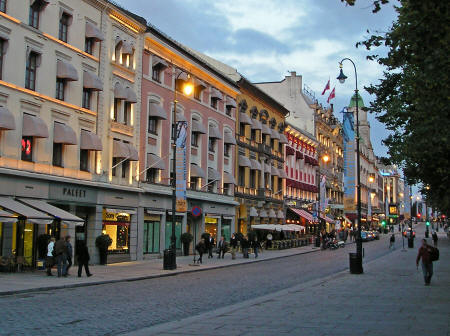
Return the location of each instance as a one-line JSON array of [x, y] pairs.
[[196, 211]]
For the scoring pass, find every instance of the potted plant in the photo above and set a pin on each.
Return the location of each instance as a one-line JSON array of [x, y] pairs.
[[186, 239], [103, 242]]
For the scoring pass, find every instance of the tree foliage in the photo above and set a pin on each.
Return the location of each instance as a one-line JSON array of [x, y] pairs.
[[412, 98]]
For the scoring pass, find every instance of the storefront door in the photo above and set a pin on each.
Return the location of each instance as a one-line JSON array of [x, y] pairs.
[[151, 236], [168, 231], [226, 229]]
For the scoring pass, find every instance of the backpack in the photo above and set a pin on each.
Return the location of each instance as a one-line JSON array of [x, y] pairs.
[[434, 253]]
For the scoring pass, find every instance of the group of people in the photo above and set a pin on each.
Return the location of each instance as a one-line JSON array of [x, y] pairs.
[[206, 245], [61, 253]]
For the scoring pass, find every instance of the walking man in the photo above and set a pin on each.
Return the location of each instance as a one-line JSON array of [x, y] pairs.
[[427, 264], [222, 248], [83, 259], [69, 254], [233, 244], [60, 251]]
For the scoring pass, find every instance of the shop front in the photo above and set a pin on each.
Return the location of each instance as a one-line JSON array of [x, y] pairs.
[[116, 224]]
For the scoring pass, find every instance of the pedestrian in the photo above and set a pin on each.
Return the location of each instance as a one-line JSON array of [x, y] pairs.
[[427, 264], [83, 259], [69, 254], [200, 247], [255, 245], [392, 242], [435, 238], [60, 252], [233, 245], [210, 246], [49, 261], [221, 248], [245, 246]]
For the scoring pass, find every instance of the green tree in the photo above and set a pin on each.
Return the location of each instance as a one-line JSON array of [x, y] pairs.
[[412, 98]]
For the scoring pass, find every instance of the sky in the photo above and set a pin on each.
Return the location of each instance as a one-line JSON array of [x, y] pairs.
[[265, 39]]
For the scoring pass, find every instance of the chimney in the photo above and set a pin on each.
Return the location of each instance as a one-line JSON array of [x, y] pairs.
[[331, 108], [293, 73]]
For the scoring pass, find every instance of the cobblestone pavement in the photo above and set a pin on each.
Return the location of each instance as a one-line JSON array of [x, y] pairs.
[[115, 308], [388, 299]]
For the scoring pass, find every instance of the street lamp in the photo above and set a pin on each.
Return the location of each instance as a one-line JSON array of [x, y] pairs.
[[170, 261], [355, 263], [325, 158]]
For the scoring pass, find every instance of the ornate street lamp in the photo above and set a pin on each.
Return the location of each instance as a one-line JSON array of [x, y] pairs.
[[325, 158], [355, 263]]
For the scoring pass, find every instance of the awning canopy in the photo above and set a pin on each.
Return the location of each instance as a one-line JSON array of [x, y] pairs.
[[270, 227], [131, 95], [155, 162], [255, 164], [34, 126], [274, 171], [256, 124], [64, 134], [66, 71], [326, 219], [59, 214], [157, 111], [272, 214], [133, 154], [90, 141], [159, 62], [197, 127], [266, 130], [253, 212], [290, 151], [20, 209], [283, 139], [181, 75], [230, 102], [7, 217], [303, 213], [93, 32], [263, 214], [244, 161], [127, 48], [280, 214], [214, 132], [7, 121], [228, 138], [274, 134], [181, 117], [119, 91], [201, 85], [213, 174], [245, 119], [283, 174], [216, 94], [120, 149], [267, 168], [91, 81], [197, 171], [228, 178]]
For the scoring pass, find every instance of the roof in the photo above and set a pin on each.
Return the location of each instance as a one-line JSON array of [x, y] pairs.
[[353, 101], [138, 18]]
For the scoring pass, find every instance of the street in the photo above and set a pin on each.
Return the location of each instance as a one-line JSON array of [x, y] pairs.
[[128, 306]]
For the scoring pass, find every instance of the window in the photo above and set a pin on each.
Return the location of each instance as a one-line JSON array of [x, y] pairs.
[[117, 52], [89, 45], [272, 143], [211, 186], [116, 108], [226, 150], [27, 148], [84, 160], [194, 139], [3, 6], [127, 113], [64, 26], [253, 135], [33, 19], [156, 73], [211, 144], [266, 138], [151, 236], [86, 98], [125, 168], [57, 154], [197, 93], [152, 175], [153, 125], [226, 188], [252, 178], [194, 183], [30, 71], [2, 54], [214, 103], [60, 88], [242, 176], [115, 162], [228, 110], [242, 129]]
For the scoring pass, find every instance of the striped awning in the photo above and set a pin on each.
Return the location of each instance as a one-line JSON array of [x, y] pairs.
[[303, 213]]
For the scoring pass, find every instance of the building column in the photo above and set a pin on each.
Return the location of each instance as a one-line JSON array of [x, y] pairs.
[[140, 234], [219, 228], [133, 236], [94, 229], [162, 233]]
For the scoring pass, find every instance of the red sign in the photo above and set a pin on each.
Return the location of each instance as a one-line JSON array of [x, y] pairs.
[[196, 211]]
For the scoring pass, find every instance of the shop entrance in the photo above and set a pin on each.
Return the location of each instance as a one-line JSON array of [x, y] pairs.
[[24, 241]]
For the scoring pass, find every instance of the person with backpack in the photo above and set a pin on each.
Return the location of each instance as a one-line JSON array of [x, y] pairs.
[[428, 254]]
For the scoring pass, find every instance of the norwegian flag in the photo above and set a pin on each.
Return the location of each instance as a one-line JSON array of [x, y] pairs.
[[327, 87], [331, 96]]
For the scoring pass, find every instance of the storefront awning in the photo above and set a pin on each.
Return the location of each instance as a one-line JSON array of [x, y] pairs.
[[90, 141], [7, 217], [64, 134], [93, 32], [266, 130], [197, 171], [7, 121], [34, 126], [91, 81], [157, 111], [270, 227], [228, 138], [272, 214], [245, 119], [133, 154], [120, 149], [228, 178], [20, 209], [197, 127], [327, 219], [66, 71], [59, 214], [155, 162], [303, 213], [119, 211]]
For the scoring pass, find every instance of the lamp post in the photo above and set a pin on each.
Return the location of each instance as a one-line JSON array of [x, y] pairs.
[[170, 261], [355, 263], [325, 159]]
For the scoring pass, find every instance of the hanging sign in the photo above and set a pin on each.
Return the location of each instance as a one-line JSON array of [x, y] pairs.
[[180, 168]]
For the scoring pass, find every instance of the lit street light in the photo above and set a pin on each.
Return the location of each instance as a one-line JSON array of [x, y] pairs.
[[325, 158]]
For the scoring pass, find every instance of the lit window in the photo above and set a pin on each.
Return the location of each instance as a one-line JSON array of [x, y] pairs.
[[27, 148]]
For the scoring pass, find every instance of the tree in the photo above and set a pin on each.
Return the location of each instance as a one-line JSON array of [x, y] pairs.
[[412, 98]]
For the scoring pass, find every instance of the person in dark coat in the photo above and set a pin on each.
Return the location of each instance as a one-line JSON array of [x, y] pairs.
[[210, 245], [245, 246], [60, 252], [200, 247], [83, 259], [69, 254], [255, 245]]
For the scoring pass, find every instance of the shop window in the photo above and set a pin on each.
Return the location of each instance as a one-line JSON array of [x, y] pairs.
[[117, 105], [64, 23], [84, 160], [241, 176], [2, 55], [89, 45], [57, 154], [119, 232], [226, 150], [60, 83], [212, 144], [168, 231], [30, 71], [152, 175], [153, 125], [226, 229], [2, 9], [151, 236], [125, 168], [87, 98], [211, 226], [27, 148]]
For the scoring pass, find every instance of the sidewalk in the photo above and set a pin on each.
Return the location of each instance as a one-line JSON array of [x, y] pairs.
[[388, 299], [14, 283]]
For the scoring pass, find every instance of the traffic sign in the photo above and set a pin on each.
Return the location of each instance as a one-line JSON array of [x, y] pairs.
[[196, 211]]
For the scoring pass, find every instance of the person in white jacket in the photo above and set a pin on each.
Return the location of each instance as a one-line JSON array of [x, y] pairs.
[[49, 260]]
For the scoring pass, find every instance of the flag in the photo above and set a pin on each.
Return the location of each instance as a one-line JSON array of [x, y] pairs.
[[327, 87], [331, 96]]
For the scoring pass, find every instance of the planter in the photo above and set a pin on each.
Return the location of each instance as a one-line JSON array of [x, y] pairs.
[[186, 248]]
